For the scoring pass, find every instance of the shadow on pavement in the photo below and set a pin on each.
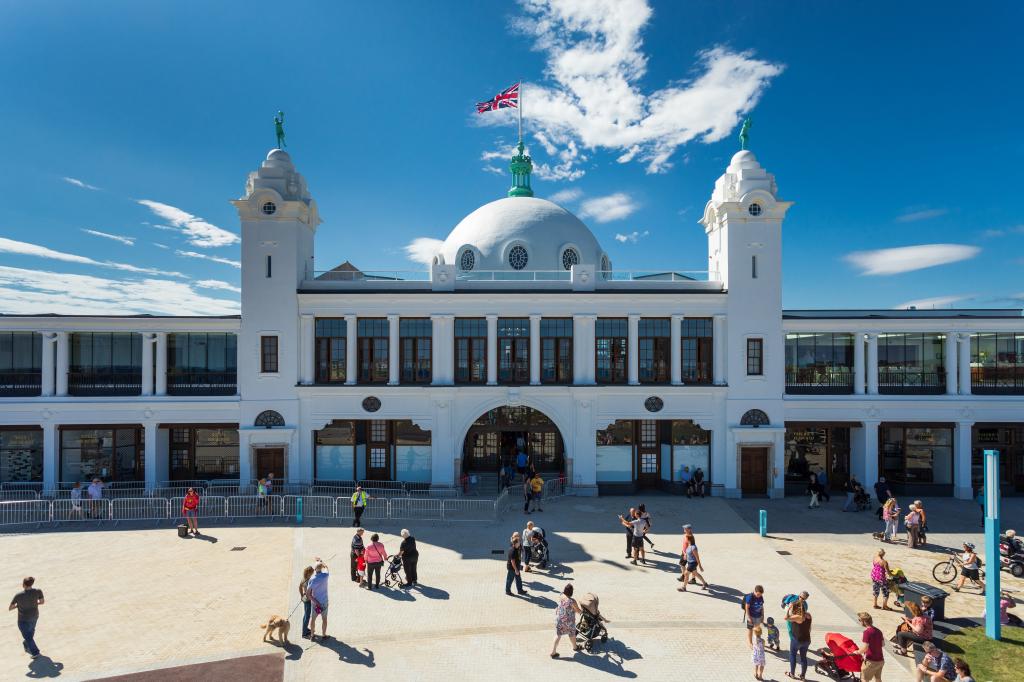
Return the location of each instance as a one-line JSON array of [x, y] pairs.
[[44, 666], [348, 654], [395, 595], [431, 592], [294, 651], [609, 658], [206, 538]]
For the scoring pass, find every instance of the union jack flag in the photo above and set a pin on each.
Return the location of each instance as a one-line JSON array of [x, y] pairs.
[[506, 99]]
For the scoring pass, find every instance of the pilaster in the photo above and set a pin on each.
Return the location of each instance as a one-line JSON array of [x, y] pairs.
[[46, 365], [677, 351], [965, 364], [858, 363], [583, 339], [962, 461], [950, 362], [634, 350], [394, 350], [147, 364], [61, 380], [161, 363], [351, 350], [492, 350], [150, 466], [535, 350], [873, 364], [720, 357], [307, 341]]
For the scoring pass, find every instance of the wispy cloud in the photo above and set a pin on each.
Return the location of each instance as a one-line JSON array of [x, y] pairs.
[[422, 250], [27, 249], [632, 237], [566, 196], [130, 241], [595, 62], [1002, 232], [78, 183], [160, 246], [923, 214], [28, 292], [215, 259], [934, 302], [608, 208], [909, 258], [197, 231], [217, 284]]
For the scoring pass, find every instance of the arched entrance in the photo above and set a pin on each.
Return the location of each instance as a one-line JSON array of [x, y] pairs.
[[493, 437]]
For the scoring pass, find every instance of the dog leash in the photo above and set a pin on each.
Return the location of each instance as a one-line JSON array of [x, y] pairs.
[[299, 603]]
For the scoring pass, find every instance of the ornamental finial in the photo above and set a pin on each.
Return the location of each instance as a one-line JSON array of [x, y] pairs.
[[279, 129], [521, 167], [745, 133]]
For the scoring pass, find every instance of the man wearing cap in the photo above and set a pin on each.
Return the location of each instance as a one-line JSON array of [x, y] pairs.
[[937, 666], [359, 500]]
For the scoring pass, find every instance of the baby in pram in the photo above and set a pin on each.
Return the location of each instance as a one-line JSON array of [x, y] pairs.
[[591, 625]]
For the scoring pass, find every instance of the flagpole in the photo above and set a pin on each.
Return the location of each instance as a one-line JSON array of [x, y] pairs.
[[520, 107]]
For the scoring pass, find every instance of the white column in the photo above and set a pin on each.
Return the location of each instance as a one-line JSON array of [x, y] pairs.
[[873, 364], [583, 339], [244, 456], [161, 363], [307, 348], [351, 356], [858, 363], [394, 350], [720, 357], [492, 350], [535, 350], [147, 364], [442, 350], [443, 449], [634, 350], [152, 475], [51, 456], [962, 462], [951, 361], [965, 364], [870, 472], [677, 351], [47, 364], [61, 380]]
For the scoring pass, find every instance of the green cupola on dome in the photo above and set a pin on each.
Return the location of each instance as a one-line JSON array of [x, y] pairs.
[[521, 167]]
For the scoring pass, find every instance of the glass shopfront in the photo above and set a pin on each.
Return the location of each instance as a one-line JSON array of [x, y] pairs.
[[203, 452], [21, 454], [112, 453], [648, 451], [1008, 439], [917, 454], [356, 450], [816, 448]]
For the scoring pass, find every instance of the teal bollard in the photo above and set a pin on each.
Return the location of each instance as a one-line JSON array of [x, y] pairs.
[[764, 523], [298, 511]]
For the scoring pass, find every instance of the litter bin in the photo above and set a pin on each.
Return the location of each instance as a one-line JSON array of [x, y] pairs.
[[912, 592]]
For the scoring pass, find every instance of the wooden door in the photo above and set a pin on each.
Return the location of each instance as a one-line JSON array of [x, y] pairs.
[[754, 471], [378, 451], [648, 455], [270, 460]]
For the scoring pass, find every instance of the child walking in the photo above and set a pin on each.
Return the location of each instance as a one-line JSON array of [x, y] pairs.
[[757, 653], [773, 633], [361, 569]]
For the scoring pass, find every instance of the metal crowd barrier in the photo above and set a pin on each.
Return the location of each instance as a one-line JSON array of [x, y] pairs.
[[24, 512], [244, 506], [140, 509], [18, 495], [65, 509], [210, 507], [420, 509], [313, 506]]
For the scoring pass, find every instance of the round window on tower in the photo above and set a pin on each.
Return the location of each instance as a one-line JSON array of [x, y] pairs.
[[269, 208], [570, 257], [517, 257], [754, 209], [467, 260]]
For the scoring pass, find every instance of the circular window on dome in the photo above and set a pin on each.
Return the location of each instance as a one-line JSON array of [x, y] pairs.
[[754, 209], [269, 208], [570, 257], [467, 260], [517, 257]]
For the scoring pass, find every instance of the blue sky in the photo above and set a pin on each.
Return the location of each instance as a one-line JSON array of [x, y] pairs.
[[890, 126]]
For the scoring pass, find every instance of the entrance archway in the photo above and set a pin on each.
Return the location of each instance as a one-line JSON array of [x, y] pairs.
[[493, 437]]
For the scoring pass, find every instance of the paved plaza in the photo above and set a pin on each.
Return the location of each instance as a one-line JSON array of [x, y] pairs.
[[127, 600]]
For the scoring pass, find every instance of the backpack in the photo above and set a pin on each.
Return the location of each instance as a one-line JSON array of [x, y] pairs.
[[789, 599]]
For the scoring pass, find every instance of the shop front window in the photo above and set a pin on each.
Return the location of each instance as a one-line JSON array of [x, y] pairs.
[[21, 455], [203, 453], [691, 450], [615, 452], [917, 454], [335, 451], [817, 449], [111, 454]]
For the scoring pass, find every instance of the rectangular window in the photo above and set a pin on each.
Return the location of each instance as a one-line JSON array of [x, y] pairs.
[[997, 363], [207, 453], [556, 350], [268, 354], [110, 453], [753, 267], [201, 363], [335, 452], [697, 339], [916, 454], [654, 342], [819, 363], [268, 267], [374, 342], [911, 363], [755, 357], [611, 349], [513, 350], [470, 350], [416, 336], [331, 350], [615, 452], [105, 363], [21, 455], [20, 363]]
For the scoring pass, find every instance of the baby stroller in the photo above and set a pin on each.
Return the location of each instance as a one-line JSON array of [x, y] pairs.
[[539, 554], [839, 659], [591, 625], [896, 581], [861, 499], [393, 574]]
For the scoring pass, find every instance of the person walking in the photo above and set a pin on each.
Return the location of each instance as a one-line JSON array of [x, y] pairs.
[[190, 510], [27, 602], [262, 501], [880, 579], [410, 557], [95, 492], [874, 660], [521, 461], [375, 555], [355, 551], [527, 542], [76, 499], [316, 588], [814, 490], [913, 523], [646, 517], [970, 569], [753, 611], [891, 517], [798, 621], [513, 567], [307, 605], [536, 491], [757, 653], [851, 494], [688, 539], [565, 620], [636, 524], [359, 501], [629, 533], [527, 493], [823, 480], [692, 566]]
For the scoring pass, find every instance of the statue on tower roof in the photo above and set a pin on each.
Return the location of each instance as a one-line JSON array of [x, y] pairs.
[[279, 129], [745, 133]]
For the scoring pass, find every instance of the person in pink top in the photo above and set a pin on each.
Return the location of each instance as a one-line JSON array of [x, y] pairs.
[[375, 555], [917, 628]]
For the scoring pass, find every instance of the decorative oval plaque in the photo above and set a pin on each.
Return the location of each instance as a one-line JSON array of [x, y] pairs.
[[654, 404], [371, 404]]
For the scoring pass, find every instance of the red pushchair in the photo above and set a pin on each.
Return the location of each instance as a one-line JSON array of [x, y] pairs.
[[839, 660]]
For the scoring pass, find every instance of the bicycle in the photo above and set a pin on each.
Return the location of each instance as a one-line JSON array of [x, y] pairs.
[[946, 571]]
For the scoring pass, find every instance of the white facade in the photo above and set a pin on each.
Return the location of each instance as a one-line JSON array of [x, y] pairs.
[[329, 373]]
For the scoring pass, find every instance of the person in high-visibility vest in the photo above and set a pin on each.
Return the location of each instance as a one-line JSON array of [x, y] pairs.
[[359, 500]]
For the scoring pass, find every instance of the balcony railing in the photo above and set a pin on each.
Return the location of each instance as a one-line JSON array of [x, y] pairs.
[[202, 383], [997, 380], [819, 380], [21, 384], [894, 381], [105, 383]]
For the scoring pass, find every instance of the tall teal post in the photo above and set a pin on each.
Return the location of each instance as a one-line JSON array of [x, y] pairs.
[[992, 593], [764, 522], [298, 510]]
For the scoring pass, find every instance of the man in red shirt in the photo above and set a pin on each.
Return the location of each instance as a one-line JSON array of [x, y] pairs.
[[872, 649]]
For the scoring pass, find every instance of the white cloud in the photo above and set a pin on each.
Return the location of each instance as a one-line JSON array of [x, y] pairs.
[[924, 214], [606, 209], [160, 246], [632, 237], [934, 302], [215, 259], [566, 195], [216, 284], [198, 231], [595, 60], [29, 292], [78, 183], [423, 249], [27, 249], [130, 241], [909, 258]]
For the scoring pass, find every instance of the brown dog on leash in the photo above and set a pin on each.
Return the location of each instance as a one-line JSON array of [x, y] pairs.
[[281, 625]]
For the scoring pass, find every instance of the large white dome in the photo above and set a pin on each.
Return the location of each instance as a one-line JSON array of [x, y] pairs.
[[522, 233]]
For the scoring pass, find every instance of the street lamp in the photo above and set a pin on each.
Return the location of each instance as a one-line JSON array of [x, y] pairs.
[[992, 593]]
